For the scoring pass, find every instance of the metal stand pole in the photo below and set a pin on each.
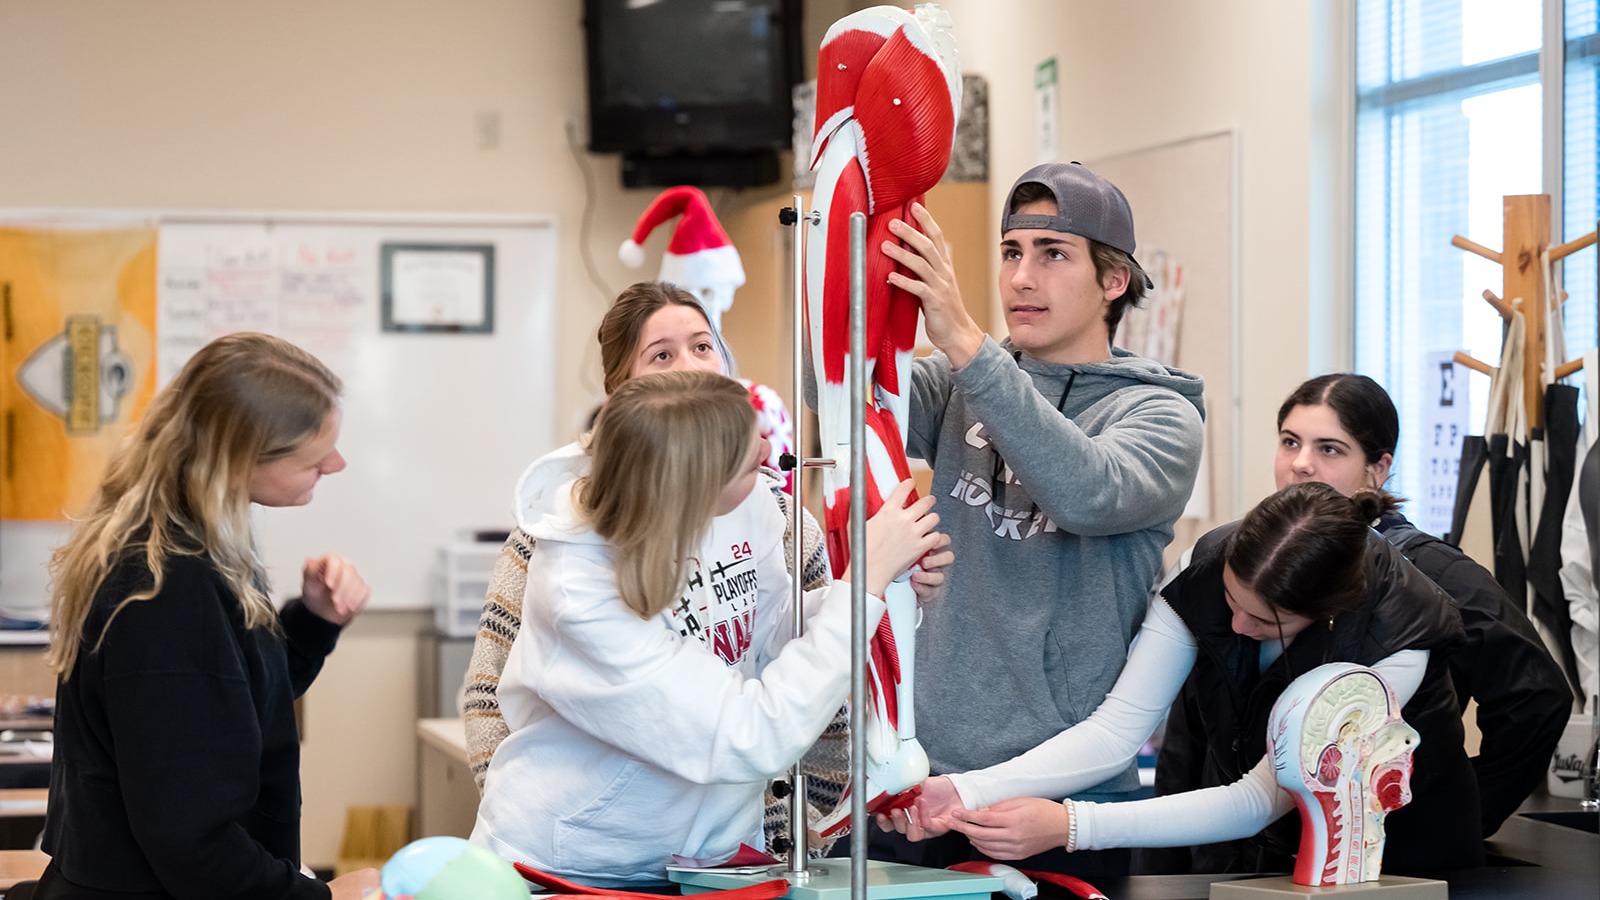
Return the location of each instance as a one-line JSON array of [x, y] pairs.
[[858, 556], [799, 828]]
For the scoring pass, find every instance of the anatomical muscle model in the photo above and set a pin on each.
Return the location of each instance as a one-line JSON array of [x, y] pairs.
[[888, 94]]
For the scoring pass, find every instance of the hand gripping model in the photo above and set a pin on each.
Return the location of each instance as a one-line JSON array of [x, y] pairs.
[[888, 92], [1339, 746]]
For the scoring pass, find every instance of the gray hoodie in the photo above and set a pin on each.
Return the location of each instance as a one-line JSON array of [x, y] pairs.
[[1054, 568]]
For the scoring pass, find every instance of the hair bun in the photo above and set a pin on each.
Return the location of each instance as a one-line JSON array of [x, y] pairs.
[[1372, 504]]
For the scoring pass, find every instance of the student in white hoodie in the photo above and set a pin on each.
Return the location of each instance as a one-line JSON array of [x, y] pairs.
[[654, 687], [652, 327]]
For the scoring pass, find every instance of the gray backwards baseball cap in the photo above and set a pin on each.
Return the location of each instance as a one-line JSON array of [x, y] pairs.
[[1086, 205]]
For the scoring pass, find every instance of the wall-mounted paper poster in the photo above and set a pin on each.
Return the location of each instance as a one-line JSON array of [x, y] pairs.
[[1153, 328], [1046, 102], [77, 357], [1444, 424]]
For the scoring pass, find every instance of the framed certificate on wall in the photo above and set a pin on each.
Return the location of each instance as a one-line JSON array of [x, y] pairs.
[[438, 287]]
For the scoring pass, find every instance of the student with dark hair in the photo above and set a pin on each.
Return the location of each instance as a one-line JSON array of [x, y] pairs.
[[1060, 464], [1300, 581], [1342, 430]]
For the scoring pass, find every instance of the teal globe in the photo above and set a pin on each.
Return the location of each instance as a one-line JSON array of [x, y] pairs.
[[450, 868]]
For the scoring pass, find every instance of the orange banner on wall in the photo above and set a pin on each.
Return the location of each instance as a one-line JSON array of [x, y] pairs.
[[77, 355]]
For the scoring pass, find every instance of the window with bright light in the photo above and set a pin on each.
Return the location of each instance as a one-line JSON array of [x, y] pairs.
[[1450, 118]]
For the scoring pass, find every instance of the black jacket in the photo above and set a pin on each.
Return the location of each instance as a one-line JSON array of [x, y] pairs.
[[1523, 699], [177, 762], [1217, 730]]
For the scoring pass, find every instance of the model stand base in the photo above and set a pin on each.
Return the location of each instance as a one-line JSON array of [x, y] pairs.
[[829, 879], [1387, 887]]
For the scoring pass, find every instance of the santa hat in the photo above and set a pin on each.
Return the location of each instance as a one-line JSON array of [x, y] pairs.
[[699, 254]]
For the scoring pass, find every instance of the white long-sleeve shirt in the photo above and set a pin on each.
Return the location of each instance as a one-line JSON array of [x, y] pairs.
[[1159, 659]]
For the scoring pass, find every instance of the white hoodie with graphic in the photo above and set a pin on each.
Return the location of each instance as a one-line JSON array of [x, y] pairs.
[[633, 740]]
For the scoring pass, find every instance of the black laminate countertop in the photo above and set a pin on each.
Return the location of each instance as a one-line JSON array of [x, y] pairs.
[[1529, 858]]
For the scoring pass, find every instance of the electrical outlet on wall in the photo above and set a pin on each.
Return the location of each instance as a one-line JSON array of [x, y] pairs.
[[573, 125], [488, 129]]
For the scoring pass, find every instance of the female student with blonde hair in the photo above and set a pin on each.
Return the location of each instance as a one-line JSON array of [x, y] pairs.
[[652, 326], [176, 766], [656, 686]]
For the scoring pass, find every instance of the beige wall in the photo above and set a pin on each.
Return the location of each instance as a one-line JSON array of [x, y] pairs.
[[373, 105], [1141, 73], [365, 105]]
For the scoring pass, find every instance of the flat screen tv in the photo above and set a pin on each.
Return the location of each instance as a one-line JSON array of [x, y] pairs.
[[691, 77]]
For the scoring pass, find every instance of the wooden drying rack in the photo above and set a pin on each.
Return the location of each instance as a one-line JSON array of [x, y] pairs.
[[1527, 235]]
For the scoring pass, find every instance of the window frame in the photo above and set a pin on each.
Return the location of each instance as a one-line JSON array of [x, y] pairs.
[[1545, 65]]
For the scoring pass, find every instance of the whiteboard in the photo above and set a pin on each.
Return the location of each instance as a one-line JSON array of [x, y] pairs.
[[437, 426]]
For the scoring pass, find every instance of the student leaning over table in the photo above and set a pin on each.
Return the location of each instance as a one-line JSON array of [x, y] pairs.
[[1300, 581], [1342, 430]]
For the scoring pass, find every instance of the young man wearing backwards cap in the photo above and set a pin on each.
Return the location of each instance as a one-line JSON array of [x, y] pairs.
[[1060, 465]]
